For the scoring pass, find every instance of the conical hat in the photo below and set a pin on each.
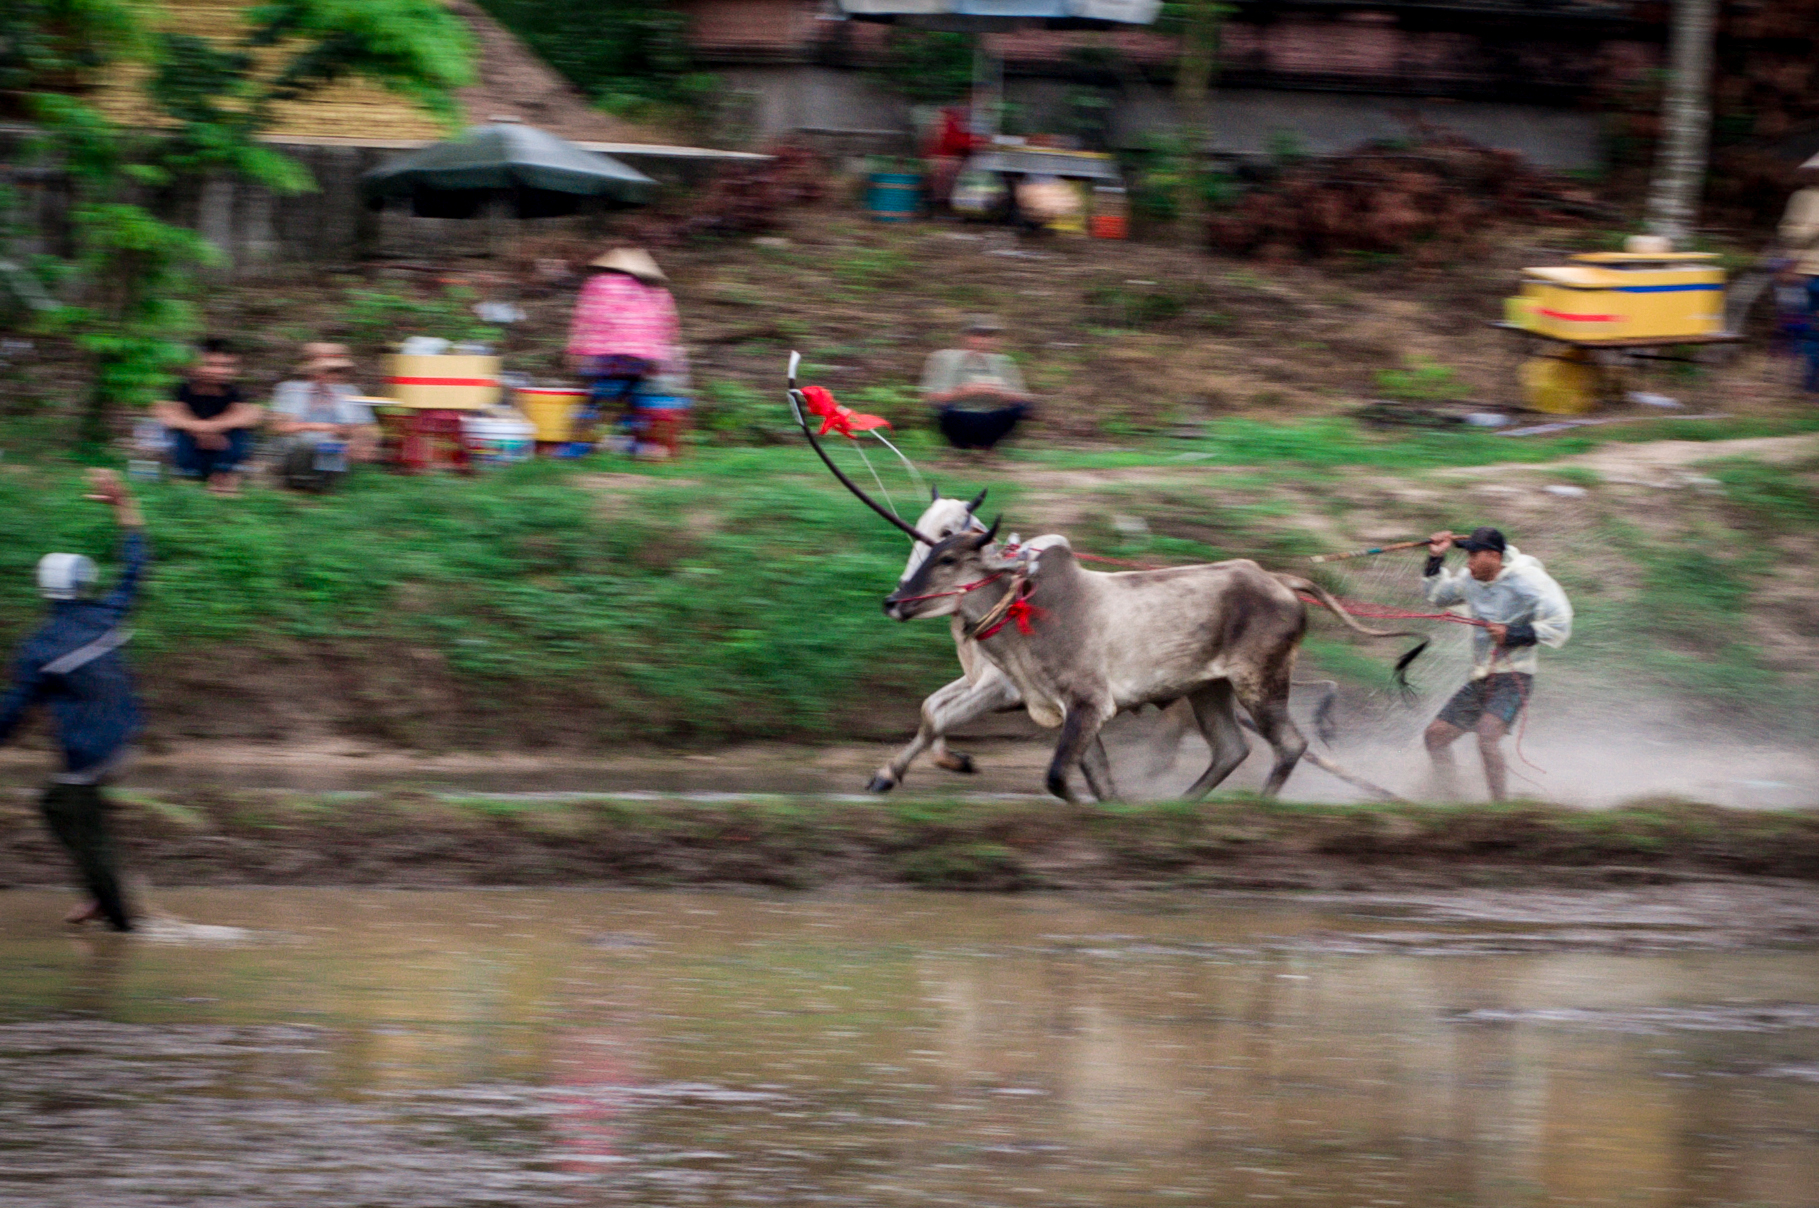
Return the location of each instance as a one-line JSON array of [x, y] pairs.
[[633, 260]]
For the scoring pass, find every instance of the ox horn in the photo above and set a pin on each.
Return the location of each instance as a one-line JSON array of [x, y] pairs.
[[934, 492], [977, 500], [796, 405], [991, 532]]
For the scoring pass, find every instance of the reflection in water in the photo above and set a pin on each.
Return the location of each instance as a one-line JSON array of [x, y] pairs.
[[573, 1047]]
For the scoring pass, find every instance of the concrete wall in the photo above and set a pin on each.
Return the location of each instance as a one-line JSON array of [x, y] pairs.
[[1246, 122], [842, 109], [847, 111]]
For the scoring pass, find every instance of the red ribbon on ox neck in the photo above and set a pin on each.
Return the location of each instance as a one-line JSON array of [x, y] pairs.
[[1021, 611], [835, 418]]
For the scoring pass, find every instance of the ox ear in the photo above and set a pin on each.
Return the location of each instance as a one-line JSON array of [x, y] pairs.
[[934, 493], [977, 500]]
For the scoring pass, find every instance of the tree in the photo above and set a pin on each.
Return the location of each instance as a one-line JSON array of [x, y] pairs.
[[1196, 24], [624, 54], [1686, 120], [124, 288], [53, 45], [929, 66]]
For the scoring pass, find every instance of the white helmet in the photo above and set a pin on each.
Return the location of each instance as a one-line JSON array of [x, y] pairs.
[[65, 576]]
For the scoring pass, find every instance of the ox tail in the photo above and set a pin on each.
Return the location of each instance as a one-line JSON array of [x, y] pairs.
[[1327, 600]]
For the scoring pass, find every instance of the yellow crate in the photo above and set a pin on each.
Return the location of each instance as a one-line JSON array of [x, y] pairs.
[[1622, 296], [445, 383]]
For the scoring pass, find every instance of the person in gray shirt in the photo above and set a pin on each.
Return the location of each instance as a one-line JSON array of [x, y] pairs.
[[976, 390], [1519, 607], [316, 410]]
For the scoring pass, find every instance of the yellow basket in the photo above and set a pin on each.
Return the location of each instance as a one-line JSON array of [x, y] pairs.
[[551, 410]]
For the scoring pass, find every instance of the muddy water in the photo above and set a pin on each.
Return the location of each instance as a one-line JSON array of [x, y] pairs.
[[518, 1048]]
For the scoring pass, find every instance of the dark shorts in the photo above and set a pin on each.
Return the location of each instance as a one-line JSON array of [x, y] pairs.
[[1501, 696]]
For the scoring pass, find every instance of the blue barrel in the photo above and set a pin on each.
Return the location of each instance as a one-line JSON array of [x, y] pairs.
[[894, 196]]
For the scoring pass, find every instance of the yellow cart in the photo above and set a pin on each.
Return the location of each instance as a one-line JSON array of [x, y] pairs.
[[1628, 301]]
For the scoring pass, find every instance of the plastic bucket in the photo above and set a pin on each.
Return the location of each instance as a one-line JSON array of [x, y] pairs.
[[894, 196], [551, 410], [1110, 213], [498, 440]]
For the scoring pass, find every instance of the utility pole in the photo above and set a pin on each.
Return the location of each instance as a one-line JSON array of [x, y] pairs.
[[1686, 121]]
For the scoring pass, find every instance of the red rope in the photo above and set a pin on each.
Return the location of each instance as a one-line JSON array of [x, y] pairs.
[[1020, 610], [1118, 562], [961, 590], [1382, 612], [1358, 608], [1378, 612]]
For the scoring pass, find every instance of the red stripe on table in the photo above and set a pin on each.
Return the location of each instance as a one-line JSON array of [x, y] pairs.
[[423, 381], [1560, 314]]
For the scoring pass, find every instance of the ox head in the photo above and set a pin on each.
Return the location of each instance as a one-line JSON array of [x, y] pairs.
[[933, 589], [941, 520]]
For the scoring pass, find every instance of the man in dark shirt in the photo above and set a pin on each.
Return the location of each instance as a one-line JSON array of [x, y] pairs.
[[210, 422], [72, 665]]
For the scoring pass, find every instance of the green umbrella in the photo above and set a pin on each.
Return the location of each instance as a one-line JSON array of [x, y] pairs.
[[539, 174]]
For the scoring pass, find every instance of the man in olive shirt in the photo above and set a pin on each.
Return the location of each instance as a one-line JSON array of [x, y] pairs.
[[976, 390]]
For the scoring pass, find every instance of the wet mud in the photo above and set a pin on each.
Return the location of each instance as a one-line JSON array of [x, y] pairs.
[[273, 1048], [414, 838]]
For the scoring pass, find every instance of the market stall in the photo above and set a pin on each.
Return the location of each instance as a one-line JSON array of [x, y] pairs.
[[1089, 197]]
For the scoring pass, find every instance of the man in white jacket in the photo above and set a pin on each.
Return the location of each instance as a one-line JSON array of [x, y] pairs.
[[1521, 607]]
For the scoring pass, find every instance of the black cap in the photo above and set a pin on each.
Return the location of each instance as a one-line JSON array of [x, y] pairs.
[[1485, 537]]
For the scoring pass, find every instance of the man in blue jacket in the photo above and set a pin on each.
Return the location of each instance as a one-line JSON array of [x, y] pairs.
[[72, 665]]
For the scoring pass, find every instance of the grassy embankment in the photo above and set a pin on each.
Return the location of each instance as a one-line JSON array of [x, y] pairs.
[[404, 838], [735, 596]]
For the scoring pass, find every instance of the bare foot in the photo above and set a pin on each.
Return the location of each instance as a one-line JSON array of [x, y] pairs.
[[86, 913], [225, 484]]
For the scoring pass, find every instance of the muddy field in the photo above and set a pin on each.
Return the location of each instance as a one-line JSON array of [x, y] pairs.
[[289, 1048], [417, 839]]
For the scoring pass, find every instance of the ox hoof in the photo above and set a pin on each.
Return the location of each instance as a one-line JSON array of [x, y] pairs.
[[959, 763], [881, 784]]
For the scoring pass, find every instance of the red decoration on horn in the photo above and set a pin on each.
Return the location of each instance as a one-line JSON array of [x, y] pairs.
[[835, 418]]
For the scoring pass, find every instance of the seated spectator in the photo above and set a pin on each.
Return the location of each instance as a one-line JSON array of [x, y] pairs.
[[210, 422], [320, 421], [977, 391]]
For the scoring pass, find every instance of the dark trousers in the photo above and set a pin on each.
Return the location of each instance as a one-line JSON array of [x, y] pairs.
[[978, 429], [77, 815], [197, 462], [1810, 380]]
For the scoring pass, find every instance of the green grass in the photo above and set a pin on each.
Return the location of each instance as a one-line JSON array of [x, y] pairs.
[[1770, 499], [747, 609], [1419, 379], [736, 595]]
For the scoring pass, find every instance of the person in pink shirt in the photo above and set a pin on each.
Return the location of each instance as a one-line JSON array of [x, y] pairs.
[[624, 329]]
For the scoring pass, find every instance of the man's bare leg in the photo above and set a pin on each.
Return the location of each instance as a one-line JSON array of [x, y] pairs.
[[1440, 736], [1490, 746], [88, 912]]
